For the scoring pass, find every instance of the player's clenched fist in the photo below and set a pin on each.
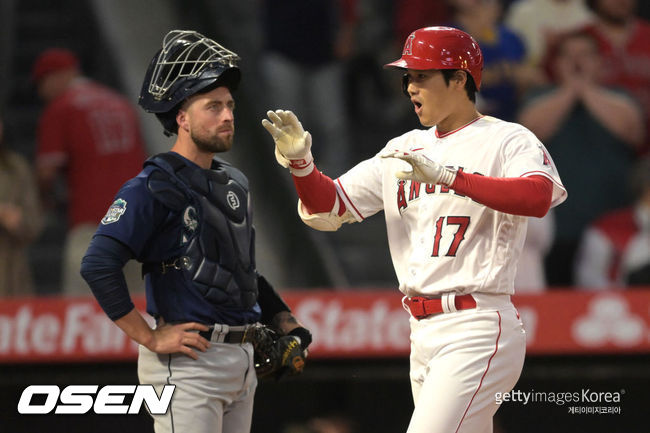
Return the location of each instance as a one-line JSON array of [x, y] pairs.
[[423, 169], [292, 142]]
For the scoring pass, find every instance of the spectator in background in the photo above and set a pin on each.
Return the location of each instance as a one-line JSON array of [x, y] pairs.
[[368, 92], [306, 44], [539, 22], [624, 41], [592, 132], [408, 15], [90, 134], [20, 220], [505, 73], [615, 249], [415, 14]]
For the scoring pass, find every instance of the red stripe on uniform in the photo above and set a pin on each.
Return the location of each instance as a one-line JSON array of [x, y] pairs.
[[348, 199], [444, 134], [542, 173], [496, 348]]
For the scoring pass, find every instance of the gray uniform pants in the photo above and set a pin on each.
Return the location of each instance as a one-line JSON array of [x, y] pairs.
[[213, 394]]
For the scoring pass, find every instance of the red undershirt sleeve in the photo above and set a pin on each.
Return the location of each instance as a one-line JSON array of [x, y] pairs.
[[527, 196], [317, 192]]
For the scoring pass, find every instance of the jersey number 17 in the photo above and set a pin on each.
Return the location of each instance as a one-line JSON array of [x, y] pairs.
[[462, 222]]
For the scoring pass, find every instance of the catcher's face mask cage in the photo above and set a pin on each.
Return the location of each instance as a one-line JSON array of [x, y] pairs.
[[187, 63]]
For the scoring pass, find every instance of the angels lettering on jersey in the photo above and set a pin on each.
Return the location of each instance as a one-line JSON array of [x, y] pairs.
[[409, 190]]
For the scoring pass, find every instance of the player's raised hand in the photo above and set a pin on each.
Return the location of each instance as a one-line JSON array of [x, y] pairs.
[[292, 142], [423, 169], [179, 339]]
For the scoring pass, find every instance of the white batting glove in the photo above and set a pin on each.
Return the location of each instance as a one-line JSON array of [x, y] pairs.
[[423, 170], [292, 142]]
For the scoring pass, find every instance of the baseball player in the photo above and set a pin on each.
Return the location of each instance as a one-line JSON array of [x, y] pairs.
[[187, 218], [456, 198]]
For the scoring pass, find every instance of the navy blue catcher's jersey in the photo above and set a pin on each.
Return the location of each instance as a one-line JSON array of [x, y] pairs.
[[155, 234]]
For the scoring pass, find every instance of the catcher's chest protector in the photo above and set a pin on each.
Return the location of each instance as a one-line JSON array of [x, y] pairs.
[[218, 235]]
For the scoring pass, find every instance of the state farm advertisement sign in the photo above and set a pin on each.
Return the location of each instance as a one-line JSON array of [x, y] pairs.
[[349, 324], [586, 322], [46, 329], [345, 324]]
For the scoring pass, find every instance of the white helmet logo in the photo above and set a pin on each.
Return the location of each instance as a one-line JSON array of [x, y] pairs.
[[233, 200]]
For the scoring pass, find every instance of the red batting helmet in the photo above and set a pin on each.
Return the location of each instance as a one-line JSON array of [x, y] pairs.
[[441, 48]]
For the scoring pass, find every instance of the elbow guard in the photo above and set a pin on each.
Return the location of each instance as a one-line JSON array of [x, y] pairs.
[[325, 221]]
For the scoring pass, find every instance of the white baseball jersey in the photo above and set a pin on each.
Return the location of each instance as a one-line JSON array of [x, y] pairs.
[[441, 241]]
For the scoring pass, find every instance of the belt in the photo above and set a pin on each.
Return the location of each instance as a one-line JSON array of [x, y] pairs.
[[421, 307], [226, 334]]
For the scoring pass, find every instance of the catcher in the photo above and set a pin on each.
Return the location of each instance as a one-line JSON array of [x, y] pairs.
[[187, 218]]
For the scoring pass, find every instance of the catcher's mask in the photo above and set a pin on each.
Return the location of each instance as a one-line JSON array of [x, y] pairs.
[[188, 63]]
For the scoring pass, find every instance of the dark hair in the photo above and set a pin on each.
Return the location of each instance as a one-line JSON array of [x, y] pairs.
[[470, 86]]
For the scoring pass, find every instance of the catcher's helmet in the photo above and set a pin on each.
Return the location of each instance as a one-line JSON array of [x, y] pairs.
[[441, 48], [188, 63]]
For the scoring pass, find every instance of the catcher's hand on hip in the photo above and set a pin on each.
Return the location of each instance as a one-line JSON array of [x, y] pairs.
[[292, 142], [423, 169]]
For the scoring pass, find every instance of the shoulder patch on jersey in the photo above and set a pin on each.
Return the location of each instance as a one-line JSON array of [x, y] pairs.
[[114, 213]]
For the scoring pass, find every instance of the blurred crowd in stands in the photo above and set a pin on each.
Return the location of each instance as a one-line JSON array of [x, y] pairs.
[[575, 72]]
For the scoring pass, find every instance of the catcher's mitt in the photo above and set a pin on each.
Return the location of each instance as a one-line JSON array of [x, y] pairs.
[[276, 355]]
